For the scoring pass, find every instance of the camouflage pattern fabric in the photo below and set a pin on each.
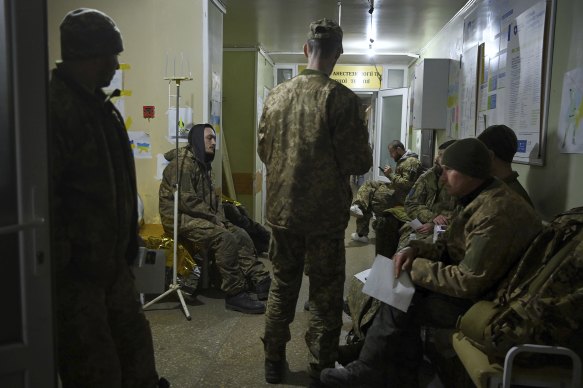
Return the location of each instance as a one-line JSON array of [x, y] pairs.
[[426, 200], [514, 184], [481, 244], [479, 248], [93, 239], [322, 258], [203, 223], [312, 138], [374, 197]]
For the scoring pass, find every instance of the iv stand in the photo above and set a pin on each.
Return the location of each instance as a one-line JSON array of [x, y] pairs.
[[174, 286]]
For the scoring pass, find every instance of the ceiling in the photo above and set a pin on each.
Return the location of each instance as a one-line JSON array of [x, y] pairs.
[[279, 27]]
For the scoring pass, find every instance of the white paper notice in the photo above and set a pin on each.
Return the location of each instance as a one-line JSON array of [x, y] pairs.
[[382, 285]]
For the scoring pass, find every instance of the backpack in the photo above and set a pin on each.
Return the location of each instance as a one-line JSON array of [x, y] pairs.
[[541, 301]]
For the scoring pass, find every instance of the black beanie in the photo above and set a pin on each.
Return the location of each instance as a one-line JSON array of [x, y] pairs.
[[501, 140], [468, 156], [89, 33]]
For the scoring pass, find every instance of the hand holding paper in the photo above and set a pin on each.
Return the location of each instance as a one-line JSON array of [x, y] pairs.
[[382, 284]]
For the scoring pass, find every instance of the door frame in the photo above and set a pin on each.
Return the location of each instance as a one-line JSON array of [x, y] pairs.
[[378, 147]]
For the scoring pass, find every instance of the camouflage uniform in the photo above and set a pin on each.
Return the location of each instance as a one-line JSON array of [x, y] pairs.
[[376, 196], [200, 214], [426, 200], [480, 247], [311, 138], [514, 184], [104, 339]]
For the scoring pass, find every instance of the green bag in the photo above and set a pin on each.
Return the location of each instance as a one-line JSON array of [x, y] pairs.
[[540, 302]]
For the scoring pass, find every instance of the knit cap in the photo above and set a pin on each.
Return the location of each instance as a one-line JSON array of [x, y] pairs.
[[501, 140], [468, 156], [89, 33]]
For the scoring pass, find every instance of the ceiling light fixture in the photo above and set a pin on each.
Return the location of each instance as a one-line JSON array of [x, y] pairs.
[[339, 11]]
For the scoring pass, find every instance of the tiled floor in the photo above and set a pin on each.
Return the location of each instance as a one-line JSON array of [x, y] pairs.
[[221, 348]]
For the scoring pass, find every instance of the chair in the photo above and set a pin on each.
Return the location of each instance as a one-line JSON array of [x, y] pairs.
[[485, 374]]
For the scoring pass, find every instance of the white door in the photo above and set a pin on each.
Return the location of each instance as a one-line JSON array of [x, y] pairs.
[[391, 125], [26, 345]]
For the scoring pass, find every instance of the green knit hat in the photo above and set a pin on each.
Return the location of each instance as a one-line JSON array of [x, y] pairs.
[[468, 156]]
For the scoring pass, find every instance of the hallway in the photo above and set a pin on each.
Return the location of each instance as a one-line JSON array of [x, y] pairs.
[[221, 348]]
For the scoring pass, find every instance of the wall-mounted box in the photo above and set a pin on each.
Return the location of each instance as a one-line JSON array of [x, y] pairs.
[[430, 94]]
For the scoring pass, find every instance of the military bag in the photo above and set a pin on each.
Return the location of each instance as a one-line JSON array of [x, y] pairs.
[[541, 301]]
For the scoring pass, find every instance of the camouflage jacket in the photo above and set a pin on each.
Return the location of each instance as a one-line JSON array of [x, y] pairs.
[[405, 175], [198, 199], [312, 138], [94, 197], [428, 198], [514, 184], [481, 245]]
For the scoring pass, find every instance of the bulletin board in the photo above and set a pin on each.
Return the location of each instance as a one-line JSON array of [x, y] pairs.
[[513, 41]]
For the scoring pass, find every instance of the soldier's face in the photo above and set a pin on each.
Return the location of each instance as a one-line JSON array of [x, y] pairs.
[[395, 154], [107, 65], [210, 141], [455, 182]]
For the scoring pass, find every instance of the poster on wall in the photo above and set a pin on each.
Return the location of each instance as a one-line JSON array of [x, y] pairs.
[[140, 144], [511, 85], [571, 116], [524, 79], [468, 76]]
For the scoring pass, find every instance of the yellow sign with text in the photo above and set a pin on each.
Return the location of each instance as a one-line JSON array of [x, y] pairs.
[[356, 77]]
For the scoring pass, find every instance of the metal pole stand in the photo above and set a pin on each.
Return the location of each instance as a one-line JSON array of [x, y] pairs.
[[174, 286]]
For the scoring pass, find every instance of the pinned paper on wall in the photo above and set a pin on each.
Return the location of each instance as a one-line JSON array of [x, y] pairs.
[[161, 164], [140, 143], [184, 118]]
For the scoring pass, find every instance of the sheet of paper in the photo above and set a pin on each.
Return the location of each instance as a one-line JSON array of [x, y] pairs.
[[415, 224], [362, 276], [382, 285]]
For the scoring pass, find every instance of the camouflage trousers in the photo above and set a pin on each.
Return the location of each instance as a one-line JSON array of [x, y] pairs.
[[103, 337], [373, 197], [233, 252], [393, 341], [322, 259]]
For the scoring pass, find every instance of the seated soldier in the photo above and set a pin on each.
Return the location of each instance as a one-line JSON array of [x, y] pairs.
[[376, 196], [428, 201], [479, 247], [203, 222], [502, 141]]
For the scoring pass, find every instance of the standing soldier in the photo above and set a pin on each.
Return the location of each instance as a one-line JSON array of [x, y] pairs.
[[103, 337], [311, 138]]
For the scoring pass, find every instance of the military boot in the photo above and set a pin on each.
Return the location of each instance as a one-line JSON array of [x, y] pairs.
[[244, 303], [275, 362]]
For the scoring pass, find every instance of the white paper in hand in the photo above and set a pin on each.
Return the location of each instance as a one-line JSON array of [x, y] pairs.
[[382, 285], [415, 224]]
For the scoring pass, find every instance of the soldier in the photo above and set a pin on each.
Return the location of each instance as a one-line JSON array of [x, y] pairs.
[[376, 196], [480, 247], [311, 138], [203, 222], [103, 337], [428, 201], [503, 143]]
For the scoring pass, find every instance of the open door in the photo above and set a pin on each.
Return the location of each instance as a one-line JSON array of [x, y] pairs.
[[391, 125], [26, 344]]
